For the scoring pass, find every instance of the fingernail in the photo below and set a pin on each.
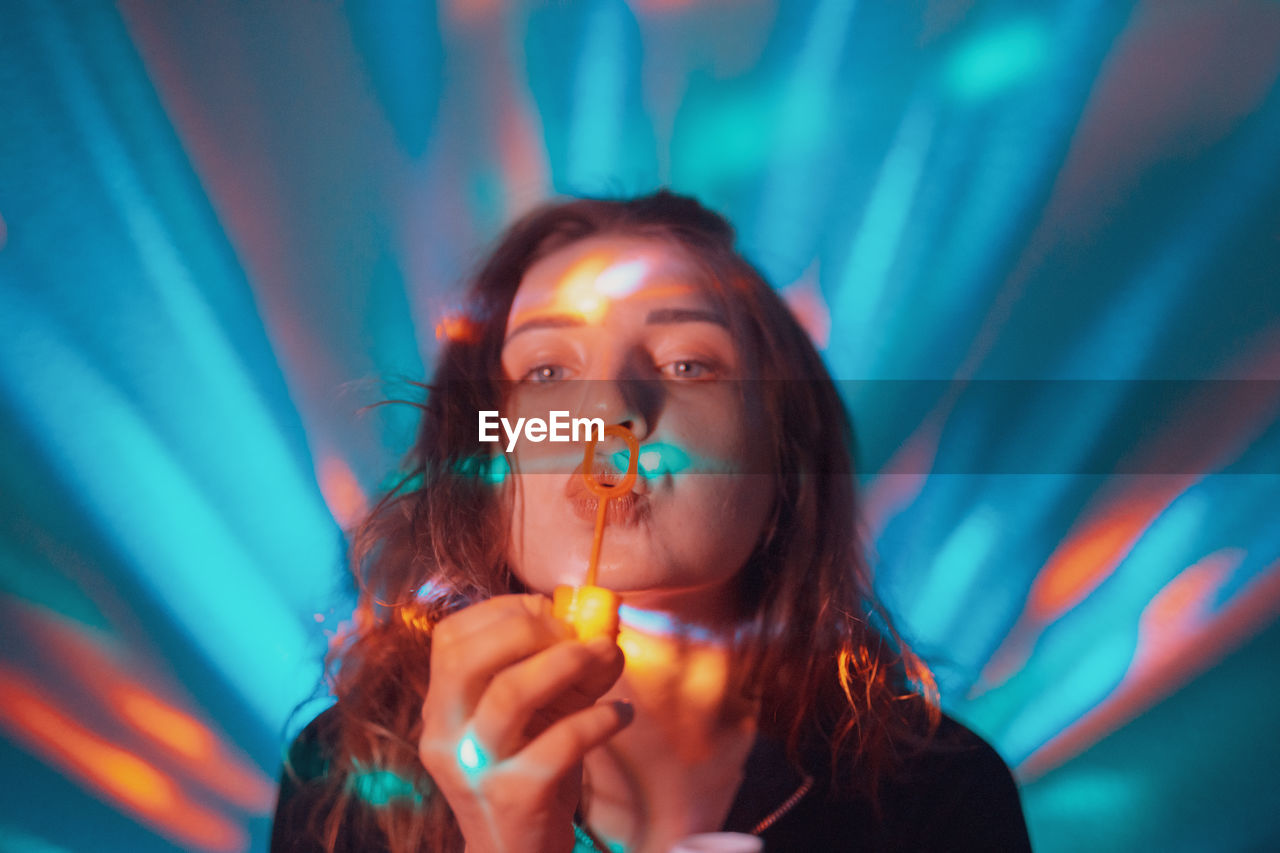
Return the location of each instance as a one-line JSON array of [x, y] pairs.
[[601, 647], [626, 711]]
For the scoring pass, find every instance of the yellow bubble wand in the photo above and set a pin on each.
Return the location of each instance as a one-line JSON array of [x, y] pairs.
[[593, 610]]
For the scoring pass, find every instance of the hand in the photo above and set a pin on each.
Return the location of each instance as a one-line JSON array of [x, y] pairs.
[[508, 716]]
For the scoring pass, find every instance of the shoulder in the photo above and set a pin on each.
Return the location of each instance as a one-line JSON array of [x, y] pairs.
[[312, 750], [957, 753], [951, 791], [956, 792]]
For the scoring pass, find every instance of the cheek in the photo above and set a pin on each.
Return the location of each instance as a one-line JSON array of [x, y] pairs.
[[748, 500], [719, 519], [510, 509], [528, 507]]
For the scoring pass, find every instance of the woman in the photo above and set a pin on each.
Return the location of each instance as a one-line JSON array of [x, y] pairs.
[[756, 685]]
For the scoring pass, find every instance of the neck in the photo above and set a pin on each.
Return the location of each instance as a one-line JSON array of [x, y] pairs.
[[675, 769], [709, 613]]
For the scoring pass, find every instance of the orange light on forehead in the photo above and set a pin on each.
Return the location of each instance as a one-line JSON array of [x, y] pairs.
[[622, 278], [577, 292], [581, 289], [586, 288]]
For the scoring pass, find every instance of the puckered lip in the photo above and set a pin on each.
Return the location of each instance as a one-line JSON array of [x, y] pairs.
[[627, 510]]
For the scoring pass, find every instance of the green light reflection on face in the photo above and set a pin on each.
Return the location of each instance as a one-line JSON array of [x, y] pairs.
[[656, 459], [498, 470]]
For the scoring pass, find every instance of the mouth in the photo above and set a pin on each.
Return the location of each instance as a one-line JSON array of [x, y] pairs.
[[627, 510]]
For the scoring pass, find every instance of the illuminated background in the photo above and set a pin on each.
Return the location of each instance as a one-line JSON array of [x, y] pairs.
[[226, 227]]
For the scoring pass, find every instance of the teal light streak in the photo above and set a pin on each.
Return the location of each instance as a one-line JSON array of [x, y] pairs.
[[1088, 794], [996, 59], [14, 839], [938, 607], [596, 129], [805, 111], [1077, 679], [866, 296], [400, 43], [184, 470], [801, 126], [194, 351], [722, 138], [159, 517], [1073, 671]]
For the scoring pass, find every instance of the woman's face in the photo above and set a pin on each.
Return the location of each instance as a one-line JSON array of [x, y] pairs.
[[625, 329]]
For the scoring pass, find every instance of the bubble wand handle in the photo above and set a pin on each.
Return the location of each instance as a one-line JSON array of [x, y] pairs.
[[606, 492], [593, 567], [593, 610]]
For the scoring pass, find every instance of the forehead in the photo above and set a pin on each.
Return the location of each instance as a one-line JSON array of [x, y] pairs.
[[589, 277]]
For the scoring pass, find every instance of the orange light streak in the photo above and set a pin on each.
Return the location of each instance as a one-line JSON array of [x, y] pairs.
[[577, 293], [1184, 601], [1179, 637], [122, 777], [660, 7], [1093, 551], [187, 743], [903, 477], [521, 152], [804, 298], [469, 13], [341, 491], [166, 724], [1089, 555], [458, 328]]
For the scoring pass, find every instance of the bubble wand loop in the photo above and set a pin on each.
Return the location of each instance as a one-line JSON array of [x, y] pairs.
[[593, 610]]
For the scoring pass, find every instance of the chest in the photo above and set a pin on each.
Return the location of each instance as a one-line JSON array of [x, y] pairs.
[[647, 803]]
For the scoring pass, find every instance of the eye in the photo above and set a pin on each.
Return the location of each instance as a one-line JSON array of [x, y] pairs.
[[544, 373], [688, 368]]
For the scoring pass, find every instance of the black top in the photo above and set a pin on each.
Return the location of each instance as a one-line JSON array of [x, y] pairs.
[[955, 795]]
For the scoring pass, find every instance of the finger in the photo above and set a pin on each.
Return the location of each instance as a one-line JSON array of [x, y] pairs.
[[583, 693], [560, 748], [463, 665], [478, 617], [571, 674]]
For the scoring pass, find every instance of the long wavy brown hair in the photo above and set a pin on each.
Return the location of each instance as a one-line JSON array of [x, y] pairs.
[[815, 649]]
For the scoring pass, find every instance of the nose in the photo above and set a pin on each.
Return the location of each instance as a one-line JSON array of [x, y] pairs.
[[623, 400]]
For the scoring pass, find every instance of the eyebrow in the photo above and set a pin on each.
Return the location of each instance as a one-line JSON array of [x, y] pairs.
[[548, 321], [657, 317], [663, 316]]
